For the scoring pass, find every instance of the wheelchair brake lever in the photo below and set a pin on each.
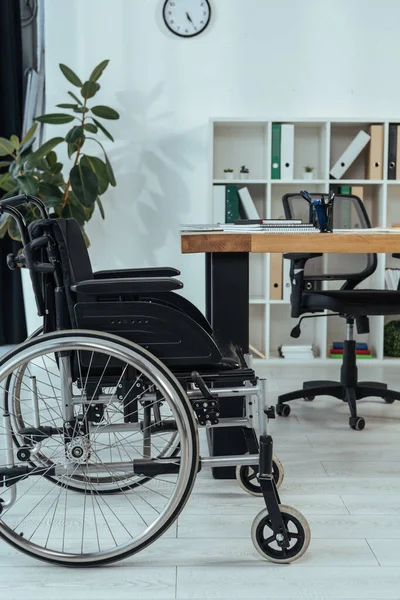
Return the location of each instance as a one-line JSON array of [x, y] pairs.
[[198, 380]]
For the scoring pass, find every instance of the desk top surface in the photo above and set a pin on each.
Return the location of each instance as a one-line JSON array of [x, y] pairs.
[[372, 240]]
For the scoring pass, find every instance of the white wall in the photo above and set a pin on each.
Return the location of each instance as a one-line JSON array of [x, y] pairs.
[[313, 58]]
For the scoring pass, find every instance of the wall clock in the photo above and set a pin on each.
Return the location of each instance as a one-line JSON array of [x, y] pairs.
[[187, 18]]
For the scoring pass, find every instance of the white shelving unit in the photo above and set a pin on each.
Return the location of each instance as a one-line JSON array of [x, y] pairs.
[[238, 142]]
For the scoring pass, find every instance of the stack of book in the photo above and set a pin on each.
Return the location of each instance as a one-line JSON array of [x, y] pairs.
[[362, 350], [392, 278], [306, 352]]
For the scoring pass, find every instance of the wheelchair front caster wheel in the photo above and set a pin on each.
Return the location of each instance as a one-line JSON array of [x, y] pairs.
[[389, 400], [265, 541], [283, 410], [309, 398], [247, 477], [357, 423]]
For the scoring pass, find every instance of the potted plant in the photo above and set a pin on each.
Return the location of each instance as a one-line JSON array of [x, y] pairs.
[[72, 191], [244, 172], [308, 172], [228, 173]]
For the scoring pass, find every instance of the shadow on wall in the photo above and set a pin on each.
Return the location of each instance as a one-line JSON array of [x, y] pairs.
[[154, 168]]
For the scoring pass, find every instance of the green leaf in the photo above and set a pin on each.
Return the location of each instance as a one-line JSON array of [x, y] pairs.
[[49, 189], [47, 147], [26, 146], [28, 184], [13, 230], [90, 127], [103, 129], [53, 201], [5, 163], [81, 109], [66, 105], [99, 168], [101, 209], [15, 141], [4, 180], [51, 157], [110, 172], [84, 184], [56, 168], [55, 118], [89, 89], [6, 147], [75, 97], [73, 208], [105, 112], [70, 75], [4, 222], [74, 134], [98, 71], [29, 134]]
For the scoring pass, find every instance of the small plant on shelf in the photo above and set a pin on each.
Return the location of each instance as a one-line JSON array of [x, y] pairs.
[[228, 173], [308, 172], [244, 172]]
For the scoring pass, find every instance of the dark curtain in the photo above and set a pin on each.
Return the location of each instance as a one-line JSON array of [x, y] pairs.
[[12, 313]]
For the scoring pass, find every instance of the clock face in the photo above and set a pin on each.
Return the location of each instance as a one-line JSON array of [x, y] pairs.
[[187, 18]]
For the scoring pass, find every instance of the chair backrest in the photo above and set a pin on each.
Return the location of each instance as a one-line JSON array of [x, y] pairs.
[[348, 213]]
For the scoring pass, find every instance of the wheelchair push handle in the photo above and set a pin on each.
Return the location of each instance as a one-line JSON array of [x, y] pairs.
[[21, 199]]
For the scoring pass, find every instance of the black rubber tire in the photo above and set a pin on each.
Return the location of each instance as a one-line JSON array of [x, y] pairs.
[[283, 410], [357, 423], [389, 400], [192, 434], [309, 398]]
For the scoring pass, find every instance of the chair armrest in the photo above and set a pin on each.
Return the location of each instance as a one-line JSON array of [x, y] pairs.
[[396, 255], [116, 287], [299, 260], [145, 272]]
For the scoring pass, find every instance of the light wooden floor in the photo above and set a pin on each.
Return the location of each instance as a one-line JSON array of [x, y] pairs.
[[347, 483]]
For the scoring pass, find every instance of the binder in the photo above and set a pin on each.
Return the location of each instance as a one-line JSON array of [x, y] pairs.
[[276, 151], [231, 203], [275, 276], [398, 153], [287, 151], [375, 154], [350, 154], [392, 151], [286, 284], [345, 208], [249, 208], [218, 204], [357, 190]]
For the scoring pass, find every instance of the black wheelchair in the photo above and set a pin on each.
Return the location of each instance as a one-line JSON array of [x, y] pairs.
[[101, 409]]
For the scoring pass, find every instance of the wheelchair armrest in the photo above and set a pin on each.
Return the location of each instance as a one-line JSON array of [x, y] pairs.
[[299, 260], [116, 287], [144, 272]]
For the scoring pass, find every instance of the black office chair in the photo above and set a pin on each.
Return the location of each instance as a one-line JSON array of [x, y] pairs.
[[354, 305]]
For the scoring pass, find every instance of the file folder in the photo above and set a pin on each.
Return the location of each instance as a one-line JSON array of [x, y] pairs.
[[276, 151], [231, 203], [275, 276], [398, 153], [375, 155], [350, 154], [358, 190], [287, 151], [392, 151], [249, 208], [218, 204]]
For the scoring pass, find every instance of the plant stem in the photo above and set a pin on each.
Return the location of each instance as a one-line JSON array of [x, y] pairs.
[[66, 192]]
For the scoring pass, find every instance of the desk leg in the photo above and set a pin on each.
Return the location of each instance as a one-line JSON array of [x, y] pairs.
[[227, 309]]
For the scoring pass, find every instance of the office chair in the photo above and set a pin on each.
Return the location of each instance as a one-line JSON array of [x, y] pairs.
[[353, 305]]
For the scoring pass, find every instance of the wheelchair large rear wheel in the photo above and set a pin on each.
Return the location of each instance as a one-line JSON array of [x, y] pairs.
[[17, 387], [53, 523]]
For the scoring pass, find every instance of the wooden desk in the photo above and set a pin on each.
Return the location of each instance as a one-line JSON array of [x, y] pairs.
[[227, 291]]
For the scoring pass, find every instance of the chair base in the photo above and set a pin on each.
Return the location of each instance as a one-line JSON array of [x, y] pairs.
[[347, 393]]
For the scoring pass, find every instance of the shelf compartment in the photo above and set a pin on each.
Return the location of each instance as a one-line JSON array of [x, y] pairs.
[[342, 134], [278, 191], [281, 324], [257, 275], [257, 316], [237, 144]]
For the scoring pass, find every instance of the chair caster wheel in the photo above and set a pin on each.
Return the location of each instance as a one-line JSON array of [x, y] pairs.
[[309, 398], [283, 410], [357, 423], [265, 542], [248, 480], [389, 400]]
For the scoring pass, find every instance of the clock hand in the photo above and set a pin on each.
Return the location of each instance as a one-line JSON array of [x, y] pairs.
[[188, 16]]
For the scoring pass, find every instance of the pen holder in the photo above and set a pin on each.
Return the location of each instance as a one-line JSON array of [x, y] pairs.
[[321, 215]]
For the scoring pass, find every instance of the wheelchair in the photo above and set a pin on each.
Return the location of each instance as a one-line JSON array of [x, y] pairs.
[[102, 409]]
